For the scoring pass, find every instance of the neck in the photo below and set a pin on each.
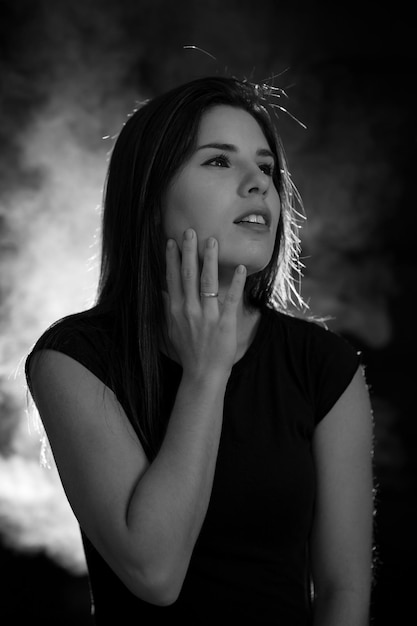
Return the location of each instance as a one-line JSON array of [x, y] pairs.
[[247, 323]]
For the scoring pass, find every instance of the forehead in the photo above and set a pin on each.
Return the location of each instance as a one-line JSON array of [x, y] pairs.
[[230, 125]]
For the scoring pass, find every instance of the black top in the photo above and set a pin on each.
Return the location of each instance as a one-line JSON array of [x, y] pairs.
[[250, 562]]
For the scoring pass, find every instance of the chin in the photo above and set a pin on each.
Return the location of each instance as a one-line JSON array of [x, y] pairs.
[[251, 270], [253, 265]]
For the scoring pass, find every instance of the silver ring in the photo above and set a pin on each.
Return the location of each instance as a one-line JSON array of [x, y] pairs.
[[208, 294]]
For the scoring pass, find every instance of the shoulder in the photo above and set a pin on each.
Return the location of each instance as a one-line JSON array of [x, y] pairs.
[[323, 361], [301, 329], [84, 336], [89, 322]]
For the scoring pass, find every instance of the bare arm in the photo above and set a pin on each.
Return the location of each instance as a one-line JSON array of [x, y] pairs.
[[145, 518], [341, 544]]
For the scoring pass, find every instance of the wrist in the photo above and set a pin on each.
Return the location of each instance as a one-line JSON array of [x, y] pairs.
[[210, 380]]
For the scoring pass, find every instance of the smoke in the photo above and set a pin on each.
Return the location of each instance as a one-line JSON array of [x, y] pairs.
[[52, 272], [49, 209], [35, 515]]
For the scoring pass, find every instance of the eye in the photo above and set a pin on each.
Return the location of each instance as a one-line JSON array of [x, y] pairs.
[[218, 161], [267, 168]]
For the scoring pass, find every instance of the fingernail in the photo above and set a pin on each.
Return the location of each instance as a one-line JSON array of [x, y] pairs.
[[170, 244], [211, 242], [241, 269], [189, 233]]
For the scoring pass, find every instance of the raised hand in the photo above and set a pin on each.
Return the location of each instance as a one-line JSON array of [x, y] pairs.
[[203, 333]]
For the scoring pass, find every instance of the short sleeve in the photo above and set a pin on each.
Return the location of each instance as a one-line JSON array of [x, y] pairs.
[[334, 363], [84, 342]]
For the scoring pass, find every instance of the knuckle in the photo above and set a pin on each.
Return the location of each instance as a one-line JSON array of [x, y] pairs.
[[224, 327], [211, 319], [187, 273], [232, 297], [170, 275], [189, 310], [174, 309], [206, 283]]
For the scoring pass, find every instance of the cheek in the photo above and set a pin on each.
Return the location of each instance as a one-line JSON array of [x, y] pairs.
[[187, 206], [176, 213]]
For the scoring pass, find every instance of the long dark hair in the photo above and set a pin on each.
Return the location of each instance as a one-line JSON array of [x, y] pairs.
[[152, 146]]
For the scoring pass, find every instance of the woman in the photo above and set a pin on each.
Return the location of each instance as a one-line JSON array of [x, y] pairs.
[[215, 449]]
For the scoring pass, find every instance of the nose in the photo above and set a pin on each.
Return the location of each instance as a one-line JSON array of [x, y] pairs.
[[254, 181]]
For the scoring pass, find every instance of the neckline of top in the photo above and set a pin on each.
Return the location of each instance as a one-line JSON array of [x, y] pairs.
[[256, 343]]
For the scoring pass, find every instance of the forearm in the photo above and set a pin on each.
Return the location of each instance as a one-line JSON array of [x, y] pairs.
[[170, 501], [340, 607]]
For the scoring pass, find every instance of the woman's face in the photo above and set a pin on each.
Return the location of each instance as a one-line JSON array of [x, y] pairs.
[[225, 190]]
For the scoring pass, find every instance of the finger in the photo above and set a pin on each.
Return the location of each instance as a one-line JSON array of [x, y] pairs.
[[173, 271], [209, 282], [189, 267], [235, 291]]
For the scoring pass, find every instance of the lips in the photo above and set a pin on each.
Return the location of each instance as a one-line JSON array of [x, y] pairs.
[[262, 212]]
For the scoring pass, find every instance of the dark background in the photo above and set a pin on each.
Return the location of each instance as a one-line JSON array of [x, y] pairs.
[[69, 74]]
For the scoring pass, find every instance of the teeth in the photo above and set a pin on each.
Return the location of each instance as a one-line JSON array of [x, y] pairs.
[[254, 219]]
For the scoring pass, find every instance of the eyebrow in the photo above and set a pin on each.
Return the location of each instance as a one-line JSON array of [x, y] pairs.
[[229, 147]]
